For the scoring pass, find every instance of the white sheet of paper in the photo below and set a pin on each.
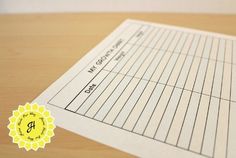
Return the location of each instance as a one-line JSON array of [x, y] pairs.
[[152, 90]]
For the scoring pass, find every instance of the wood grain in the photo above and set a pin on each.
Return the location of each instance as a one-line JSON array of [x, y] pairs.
[[36, 49]]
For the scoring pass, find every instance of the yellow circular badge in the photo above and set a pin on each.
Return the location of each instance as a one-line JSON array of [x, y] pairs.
[[31, 126]]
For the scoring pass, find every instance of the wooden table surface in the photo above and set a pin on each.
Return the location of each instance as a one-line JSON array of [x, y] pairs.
[[36, 49]]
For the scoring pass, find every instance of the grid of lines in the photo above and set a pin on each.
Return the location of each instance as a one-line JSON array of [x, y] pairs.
[[168, 85]]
